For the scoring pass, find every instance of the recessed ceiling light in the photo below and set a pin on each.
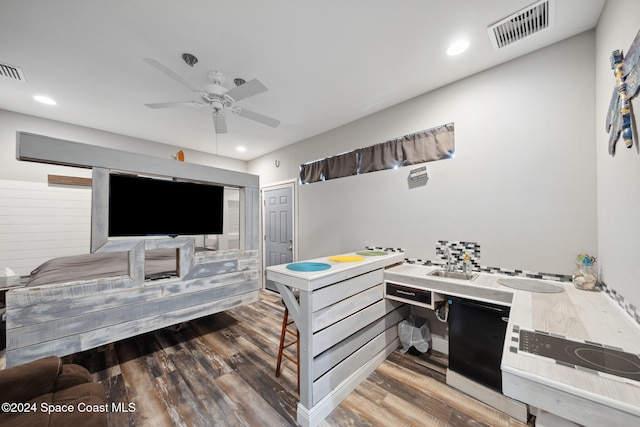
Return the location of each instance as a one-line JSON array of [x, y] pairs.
[[44, 99], [457, 47], [241, 149]]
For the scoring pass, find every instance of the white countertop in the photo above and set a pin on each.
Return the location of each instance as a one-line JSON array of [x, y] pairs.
[[574, 314], [337, 271]]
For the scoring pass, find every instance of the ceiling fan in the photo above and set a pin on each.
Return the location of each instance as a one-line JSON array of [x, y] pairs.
[[215, 95]]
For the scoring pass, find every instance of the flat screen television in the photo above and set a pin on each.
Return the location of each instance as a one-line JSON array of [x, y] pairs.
[[141, 206]]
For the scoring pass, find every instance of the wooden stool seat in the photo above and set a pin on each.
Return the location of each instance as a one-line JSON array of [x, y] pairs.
[[286, 323]]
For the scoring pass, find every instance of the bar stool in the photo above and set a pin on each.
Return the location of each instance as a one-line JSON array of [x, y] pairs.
[[286, 323]]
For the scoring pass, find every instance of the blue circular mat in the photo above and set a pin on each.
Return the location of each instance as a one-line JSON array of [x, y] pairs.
[[308, 266]]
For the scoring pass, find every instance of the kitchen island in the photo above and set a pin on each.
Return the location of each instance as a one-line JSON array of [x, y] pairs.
[[583, 395], [346, 326]]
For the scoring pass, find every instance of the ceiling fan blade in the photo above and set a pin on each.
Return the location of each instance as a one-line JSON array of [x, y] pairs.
[[170, 73], [220, 123], [260, 118], [175, 104], [250, 88]]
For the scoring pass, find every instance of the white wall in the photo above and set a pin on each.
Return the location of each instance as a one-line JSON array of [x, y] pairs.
[[39, 222], [619, 176], [521, 183]]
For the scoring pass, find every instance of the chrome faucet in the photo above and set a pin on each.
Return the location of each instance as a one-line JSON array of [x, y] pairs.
[[449, 264]]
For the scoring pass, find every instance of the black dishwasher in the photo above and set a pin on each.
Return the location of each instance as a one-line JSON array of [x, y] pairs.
[[476, 337]]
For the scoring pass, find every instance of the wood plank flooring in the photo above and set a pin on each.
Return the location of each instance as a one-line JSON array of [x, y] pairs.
[[219, 371]]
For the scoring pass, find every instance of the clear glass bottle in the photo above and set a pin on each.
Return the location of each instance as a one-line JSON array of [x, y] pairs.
[[466, 264], [586, 276]]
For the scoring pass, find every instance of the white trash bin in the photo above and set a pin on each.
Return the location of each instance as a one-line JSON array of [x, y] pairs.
[[414, 332]]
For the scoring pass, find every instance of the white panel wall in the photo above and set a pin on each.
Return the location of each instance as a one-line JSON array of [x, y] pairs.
[[522, 183], [39, 222], [619, 176]]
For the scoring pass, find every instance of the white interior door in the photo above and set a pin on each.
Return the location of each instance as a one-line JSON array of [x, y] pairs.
[[278, 227]]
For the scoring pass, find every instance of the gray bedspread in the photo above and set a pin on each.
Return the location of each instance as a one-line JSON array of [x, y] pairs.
[[100, 265]]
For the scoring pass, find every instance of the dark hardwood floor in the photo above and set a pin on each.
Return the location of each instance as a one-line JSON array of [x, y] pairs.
[[219, 371]]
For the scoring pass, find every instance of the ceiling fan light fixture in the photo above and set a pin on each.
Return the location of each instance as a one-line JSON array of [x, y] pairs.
[[218, 108]]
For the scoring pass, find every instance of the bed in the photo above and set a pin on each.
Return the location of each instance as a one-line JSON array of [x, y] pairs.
[[76, 303], [158, 264], [121, 290]]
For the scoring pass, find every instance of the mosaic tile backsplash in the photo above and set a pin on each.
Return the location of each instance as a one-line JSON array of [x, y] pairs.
[[458, 249], [619, 299]]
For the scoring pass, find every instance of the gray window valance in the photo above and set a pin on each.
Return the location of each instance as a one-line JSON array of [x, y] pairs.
[[312, 172], [420, 147], [338, 166], [342, 165], [387, 155]]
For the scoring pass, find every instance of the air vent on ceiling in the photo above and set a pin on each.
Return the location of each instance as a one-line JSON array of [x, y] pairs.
[[523, 23], [11, 72]]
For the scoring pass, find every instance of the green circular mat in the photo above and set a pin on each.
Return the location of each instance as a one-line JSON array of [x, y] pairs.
[[371, 253]]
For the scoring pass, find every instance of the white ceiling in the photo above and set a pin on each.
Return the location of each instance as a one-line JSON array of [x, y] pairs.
[[326, 63]]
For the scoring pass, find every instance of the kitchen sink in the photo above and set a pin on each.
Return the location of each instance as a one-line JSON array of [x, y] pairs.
[[453, 275]]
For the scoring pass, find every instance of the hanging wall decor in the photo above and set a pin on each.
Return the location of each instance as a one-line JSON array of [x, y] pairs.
[[419, 173], [620, 115]]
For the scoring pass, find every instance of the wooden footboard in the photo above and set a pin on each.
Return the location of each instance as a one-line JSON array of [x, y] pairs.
[[67, 318]]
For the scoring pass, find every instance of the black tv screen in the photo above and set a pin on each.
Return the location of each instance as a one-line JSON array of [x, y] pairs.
[[140, 206]]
